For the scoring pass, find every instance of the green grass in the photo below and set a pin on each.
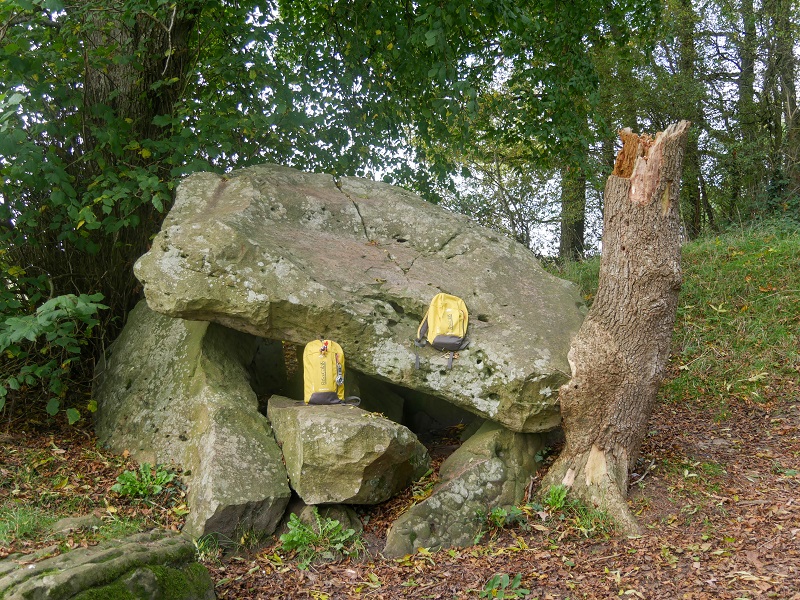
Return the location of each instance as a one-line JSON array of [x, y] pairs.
[[737, 333], [41, 485], [583, 273], [23, 523]]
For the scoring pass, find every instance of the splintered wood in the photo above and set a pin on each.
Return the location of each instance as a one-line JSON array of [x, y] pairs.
[[633, 146]]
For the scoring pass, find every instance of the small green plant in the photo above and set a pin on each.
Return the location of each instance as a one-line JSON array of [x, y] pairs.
[[208, 549], [501, 586], [556, 497], [500, 517], [543, 454], [147, 481], [590, 521], [423, 487], [325, 539], [572, 512], [779, 469]]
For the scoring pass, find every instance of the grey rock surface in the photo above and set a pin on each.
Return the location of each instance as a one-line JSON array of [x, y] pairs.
[[175, 391], [292, 256], [342, 454], [155, 564], [491, 469]]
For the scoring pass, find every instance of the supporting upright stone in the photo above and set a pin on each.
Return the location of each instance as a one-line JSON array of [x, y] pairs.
[[175, 391], [491, 469]]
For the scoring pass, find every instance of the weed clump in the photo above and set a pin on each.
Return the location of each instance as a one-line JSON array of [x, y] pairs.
[[324, 539]]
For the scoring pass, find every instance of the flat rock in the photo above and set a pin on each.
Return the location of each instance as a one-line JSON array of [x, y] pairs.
[[155, 564], [342, 454]]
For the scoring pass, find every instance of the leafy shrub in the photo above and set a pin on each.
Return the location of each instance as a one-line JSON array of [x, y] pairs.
[[325, 539], [38, 349], [147, 481]]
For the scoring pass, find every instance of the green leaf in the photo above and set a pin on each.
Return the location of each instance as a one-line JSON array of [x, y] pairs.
[[24, 4], [53, 406], [54, 5], [73, 416]]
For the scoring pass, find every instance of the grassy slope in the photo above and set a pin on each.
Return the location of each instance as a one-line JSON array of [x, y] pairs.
[[718, 486], [737, 334]]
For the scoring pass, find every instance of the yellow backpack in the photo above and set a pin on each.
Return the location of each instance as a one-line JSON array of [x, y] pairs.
[[444, 326], [323, 374]]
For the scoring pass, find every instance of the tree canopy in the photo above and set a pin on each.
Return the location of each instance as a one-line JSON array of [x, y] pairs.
[[106, 104]]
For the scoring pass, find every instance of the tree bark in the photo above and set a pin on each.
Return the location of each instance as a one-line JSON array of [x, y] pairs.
[[619, 355], [573, 213], [687, 19], [745, 174]]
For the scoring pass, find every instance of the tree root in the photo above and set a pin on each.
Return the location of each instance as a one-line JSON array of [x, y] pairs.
[[597, 479]]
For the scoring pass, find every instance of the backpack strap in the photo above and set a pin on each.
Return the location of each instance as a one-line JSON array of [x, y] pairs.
[[339, 374], [421, 340], [419, 343]]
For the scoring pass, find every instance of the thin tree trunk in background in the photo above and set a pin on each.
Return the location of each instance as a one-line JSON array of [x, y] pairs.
[[780, 97], [687, 63], [744, 177], [619, 355], [786, 66], [573, 213]]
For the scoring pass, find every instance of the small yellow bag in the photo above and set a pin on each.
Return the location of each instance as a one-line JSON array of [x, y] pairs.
[[444, 326], [323, 373]]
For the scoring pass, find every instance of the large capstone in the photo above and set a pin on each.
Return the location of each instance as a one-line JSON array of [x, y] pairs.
[[176, 391], [342, 454], [492, 469], [293, 256]]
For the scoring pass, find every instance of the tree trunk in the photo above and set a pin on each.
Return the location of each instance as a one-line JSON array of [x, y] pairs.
[[743, 164], [687, 20], [619, 355], [573, 213], [786, 65], [153, 58]]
